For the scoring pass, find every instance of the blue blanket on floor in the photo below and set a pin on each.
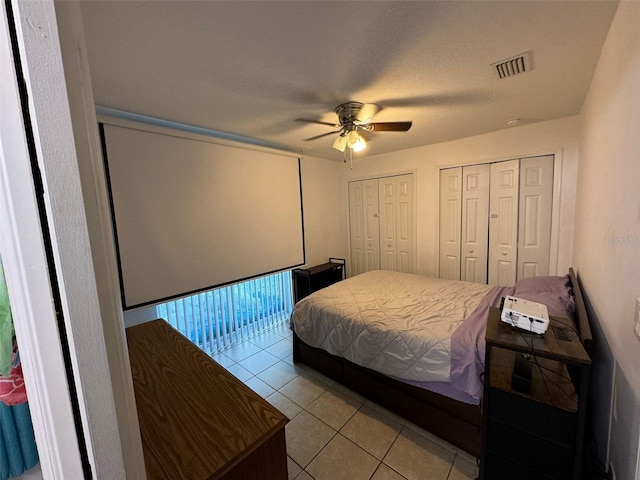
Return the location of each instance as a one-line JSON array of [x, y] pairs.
[[17, 443]]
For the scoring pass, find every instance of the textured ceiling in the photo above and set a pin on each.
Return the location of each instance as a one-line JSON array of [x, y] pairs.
[[251, 68]]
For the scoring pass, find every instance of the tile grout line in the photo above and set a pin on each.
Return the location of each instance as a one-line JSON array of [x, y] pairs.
[[327, 387]]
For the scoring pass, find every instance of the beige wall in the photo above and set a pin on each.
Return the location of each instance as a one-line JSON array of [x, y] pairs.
[[322, 204], [607, 240], [558, 137]]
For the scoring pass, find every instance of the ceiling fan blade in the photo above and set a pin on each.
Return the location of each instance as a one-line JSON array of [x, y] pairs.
[[322, 135], [389, 126], [367, 112], [317, 121]]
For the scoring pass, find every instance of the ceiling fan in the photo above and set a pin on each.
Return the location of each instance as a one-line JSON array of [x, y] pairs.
[[356, 117]]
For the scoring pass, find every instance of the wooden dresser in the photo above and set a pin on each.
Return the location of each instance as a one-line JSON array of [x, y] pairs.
[[197, 421]]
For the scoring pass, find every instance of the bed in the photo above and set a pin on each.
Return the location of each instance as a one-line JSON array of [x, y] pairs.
[[415, 345]]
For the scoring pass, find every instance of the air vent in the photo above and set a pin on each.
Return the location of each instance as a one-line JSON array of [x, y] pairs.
[[513, 66]]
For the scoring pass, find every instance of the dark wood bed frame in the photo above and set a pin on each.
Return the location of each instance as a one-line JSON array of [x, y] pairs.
[[456, 422]]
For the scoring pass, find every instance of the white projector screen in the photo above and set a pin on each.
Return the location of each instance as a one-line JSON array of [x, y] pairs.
[[189, 214]]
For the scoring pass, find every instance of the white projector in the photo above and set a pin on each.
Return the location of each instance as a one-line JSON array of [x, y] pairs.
[[524, 314]]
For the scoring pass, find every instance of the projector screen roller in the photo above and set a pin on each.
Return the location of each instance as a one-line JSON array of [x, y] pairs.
[[190, 214]]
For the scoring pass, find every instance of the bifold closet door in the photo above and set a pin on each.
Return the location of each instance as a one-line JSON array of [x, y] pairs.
[[364, 226], [534, 223], [495, 220], [382, 225], [450, 222], [396, 223], [475, 222], [503, 222], [464, 223]]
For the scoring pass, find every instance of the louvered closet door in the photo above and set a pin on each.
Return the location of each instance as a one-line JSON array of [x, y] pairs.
[[396, 223], [450, 222], [475, 223], [503, 222], [534, 224], [364, 226]]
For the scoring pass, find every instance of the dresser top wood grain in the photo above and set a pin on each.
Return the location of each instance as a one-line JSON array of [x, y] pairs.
[[196, 419]]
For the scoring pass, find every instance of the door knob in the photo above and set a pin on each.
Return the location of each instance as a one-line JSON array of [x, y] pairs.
[[471, 250], [504, 253]]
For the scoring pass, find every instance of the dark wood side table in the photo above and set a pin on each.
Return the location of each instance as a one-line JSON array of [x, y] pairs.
[[537, 434], [197, 421], [308, 280]]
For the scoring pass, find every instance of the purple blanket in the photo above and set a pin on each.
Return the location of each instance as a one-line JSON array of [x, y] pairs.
[[467, 342], [467, 353]]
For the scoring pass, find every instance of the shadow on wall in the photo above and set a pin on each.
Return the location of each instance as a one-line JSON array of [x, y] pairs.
[[613, 413], [625, 429]]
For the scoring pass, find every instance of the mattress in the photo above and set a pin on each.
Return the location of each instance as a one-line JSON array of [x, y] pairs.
[[410, 327]]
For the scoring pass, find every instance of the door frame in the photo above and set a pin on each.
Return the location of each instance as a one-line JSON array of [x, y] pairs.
[[27, 277], [50, 42]]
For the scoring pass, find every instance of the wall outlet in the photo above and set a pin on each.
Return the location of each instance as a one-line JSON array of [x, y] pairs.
[[636, 329]]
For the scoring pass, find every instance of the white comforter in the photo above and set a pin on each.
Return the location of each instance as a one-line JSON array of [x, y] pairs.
[[395, 323]]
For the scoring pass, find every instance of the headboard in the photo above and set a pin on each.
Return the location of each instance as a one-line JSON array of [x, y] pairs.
[[581, 317]]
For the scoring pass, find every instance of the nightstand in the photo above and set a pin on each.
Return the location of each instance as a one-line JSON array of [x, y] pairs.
[[308, 280], [533, 431]]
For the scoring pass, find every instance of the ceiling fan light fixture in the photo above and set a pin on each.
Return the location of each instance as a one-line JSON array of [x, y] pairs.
[[352, 138], [355, 142], [359, 145], [354, 118], [340, 143]]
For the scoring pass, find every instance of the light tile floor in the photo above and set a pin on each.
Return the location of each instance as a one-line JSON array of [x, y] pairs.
[[335, 433]]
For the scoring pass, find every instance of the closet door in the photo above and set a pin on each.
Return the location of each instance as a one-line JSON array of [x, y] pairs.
[[364, 226], [450, 222], [475, 223], [371, 225], [503, 222], [396, 223], [536, 203], [356, 227]]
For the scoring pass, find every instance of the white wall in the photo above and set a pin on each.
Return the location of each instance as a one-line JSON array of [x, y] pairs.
[[607, 239], [322, 201], [558, 137]]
